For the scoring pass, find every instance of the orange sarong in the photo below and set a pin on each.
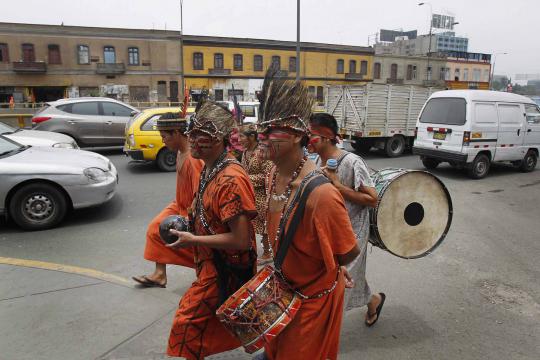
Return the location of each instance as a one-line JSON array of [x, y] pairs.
[[311, 266], [196, 332], [188, 172]]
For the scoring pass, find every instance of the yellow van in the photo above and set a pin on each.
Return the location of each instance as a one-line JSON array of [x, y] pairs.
[[143, 142]]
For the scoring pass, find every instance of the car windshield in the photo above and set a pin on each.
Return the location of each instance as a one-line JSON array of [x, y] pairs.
[[8, 147], [132, 120], [6, 129], [446, 111]]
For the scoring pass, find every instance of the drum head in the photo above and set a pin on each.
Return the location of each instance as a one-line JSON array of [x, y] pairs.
[[414, 214]]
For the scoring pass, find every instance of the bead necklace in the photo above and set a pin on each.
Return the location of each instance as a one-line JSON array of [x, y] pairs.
[[287, 193]]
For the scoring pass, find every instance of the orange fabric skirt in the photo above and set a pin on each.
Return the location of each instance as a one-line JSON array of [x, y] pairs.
[[155, 249]]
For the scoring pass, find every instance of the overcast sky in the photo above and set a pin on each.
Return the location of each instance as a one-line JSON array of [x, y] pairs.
[[493, 26]]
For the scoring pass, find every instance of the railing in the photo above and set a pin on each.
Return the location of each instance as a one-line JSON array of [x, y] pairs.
[[29, 66], [354, 76], [110, 69], [219, 71]]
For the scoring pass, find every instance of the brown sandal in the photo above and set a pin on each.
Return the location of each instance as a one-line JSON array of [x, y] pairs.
[[146, 282]]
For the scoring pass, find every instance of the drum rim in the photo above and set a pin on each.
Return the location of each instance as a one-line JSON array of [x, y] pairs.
[[443, 235]]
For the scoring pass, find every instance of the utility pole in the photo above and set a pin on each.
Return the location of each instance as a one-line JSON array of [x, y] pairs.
[[492, 72], [429, 72], [182, 81], [297, 40]]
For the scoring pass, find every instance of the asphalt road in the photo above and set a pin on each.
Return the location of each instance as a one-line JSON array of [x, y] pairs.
[[476, 297]]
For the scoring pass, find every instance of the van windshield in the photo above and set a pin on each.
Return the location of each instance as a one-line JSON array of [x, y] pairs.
[[447, 111]]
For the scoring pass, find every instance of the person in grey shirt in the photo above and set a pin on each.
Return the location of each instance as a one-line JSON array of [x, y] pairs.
[[352, 179]]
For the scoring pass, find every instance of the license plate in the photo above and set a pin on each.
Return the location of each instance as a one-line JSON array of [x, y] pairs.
[[439, 136]]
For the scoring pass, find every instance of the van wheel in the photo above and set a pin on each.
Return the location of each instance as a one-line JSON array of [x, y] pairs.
[[430, 163], [395, 146], [479, 167], [38, 206], [528, 163], [166, 160]]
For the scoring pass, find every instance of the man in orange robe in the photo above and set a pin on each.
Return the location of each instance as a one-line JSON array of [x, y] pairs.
[[223, 238], [188, 169], [324, 241]]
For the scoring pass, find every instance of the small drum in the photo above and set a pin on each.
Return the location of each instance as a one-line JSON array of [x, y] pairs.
[[258, 311], [413, 214]]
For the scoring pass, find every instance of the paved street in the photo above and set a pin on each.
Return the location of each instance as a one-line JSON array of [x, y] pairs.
[[476, 297]]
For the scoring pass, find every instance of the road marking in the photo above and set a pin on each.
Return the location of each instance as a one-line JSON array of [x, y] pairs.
[[118, 280]]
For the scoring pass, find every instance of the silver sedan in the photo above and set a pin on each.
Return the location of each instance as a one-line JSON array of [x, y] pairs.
[[38, 138], [38, 185]]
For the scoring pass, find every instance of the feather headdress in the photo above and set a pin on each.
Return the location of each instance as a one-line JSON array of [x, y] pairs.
[[213, 119], [283, 103]]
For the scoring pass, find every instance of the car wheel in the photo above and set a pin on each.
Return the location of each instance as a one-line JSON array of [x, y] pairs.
[[430, 163], [529, 161], [38, 206], [395, 146], [166, 160], [479, 167]]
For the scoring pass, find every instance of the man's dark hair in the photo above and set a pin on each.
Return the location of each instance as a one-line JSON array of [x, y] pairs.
[[326, 120]]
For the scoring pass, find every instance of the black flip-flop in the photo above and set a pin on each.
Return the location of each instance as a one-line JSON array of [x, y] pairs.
[[146, 282], [377, 311]]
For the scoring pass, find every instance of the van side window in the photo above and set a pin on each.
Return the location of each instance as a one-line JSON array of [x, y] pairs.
[[533, 114], [485, 114]]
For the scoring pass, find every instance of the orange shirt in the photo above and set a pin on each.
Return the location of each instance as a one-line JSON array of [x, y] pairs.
[[311, 266], [188, 172]]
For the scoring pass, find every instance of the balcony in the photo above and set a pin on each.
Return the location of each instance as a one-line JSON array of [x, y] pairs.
[[394, 81], [110, 69], [434, 83], [219, 71], [354, 76], [30, 67]]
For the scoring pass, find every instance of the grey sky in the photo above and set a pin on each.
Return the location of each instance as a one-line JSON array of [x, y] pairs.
[[491, 25]]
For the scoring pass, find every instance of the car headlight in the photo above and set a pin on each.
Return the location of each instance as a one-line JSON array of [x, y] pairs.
[[132, 140], [65, 145], [96, 174]]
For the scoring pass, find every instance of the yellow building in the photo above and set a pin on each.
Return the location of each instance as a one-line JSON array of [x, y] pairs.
[[217, 64]]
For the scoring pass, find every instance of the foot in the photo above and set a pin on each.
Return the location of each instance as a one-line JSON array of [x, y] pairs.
[[374, 309], [264, 259], [150, 281]]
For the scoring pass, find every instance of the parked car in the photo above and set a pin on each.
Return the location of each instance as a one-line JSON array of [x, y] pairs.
[[37, 138], [473, 128], [91, 121], [143, 142], [39, 185]]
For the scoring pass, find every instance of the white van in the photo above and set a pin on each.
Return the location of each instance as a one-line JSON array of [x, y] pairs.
[[473, 128], [250, 109]]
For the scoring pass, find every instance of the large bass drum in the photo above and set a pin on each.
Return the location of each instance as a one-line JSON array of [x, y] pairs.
[[413, 214]]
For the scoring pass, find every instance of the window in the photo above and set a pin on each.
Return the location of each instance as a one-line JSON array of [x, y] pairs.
[[352, 66], [377, 71], [409, 72], [486, 75], [54, 54], [340, 67], [476, 74], [173, 85], [257, 62], [447, 74], [218, 61], [28, 54], [218, 94], [4, 55], [113, 109], [292, 64], [465, 74], [320, 94], [83, 54], [198, 61], [414, 72], [447, 111], [238, 62], [363, 67], [311, 91], [429, 72], [84, 108], [456, 74], [248, 110], [393, 71], [276, 62], [442, 73], [133, 56], [151, 123], [533, 114], [109, 55]]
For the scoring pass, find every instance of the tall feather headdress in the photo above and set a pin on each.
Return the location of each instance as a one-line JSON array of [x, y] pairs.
[[213, 119], [283, 103]]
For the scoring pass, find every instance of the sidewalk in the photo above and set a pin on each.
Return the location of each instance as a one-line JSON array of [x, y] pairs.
[[55, 315]]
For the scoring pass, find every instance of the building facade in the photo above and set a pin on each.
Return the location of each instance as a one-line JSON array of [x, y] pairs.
[[46, 62], [407, 70], [421, 45]]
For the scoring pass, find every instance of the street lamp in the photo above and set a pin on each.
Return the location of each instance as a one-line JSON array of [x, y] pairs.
[[492, 74], [428, 72], [182, 84], [297, 40]]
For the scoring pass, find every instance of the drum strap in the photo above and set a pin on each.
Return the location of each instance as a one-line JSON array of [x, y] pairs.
[[286, 240]]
